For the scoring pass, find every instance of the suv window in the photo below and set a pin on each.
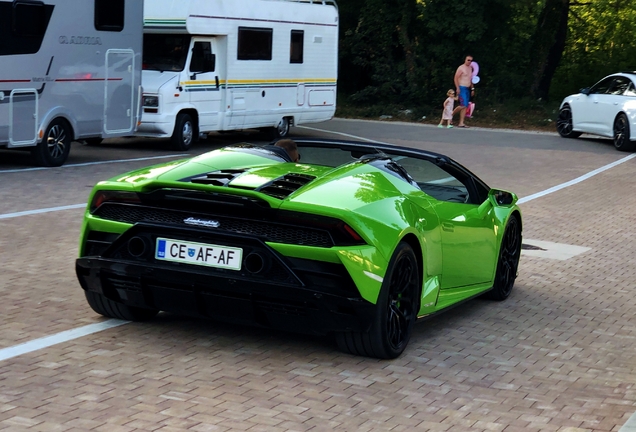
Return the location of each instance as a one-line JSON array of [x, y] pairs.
[[631, 90]]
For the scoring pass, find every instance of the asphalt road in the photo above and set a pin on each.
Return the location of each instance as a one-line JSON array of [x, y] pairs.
[[558, 355]]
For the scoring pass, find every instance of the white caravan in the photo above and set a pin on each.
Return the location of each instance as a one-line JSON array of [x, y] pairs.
[[218, 65], [69, 70]]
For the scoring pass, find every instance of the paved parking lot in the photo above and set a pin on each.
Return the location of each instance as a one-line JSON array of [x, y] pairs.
[[558, 355]]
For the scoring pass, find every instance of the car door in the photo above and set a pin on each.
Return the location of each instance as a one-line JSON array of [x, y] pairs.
[[469, 242], [611, 104], [585, 109], [204, 85]]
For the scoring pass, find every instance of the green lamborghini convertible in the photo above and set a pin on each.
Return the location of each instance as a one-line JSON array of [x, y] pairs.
[[356, 240]]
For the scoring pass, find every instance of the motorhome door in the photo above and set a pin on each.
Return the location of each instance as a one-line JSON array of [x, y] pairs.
[[119, 114], [203, 83], [23, 117]]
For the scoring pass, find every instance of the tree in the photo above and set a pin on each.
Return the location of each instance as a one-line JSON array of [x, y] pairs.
[[548, 45], [380, 50]]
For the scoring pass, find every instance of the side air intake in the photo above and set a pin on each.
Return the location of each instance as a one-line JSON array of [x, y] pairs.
[[284, 186]]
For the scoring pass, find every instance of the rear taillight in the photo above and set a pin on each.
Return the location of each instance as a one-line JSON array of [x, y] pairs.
[[101, 197]]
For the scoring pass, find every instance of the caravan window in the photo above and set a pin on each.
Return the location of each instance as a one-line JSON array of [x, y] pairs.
[[255, 43], [296, 47], [165, 52], [29, 19], [23, 25], [109, 15]]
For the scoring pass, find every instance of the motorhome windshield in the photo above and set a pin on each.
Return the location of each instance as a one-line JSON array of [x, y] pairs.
[[165, 52]]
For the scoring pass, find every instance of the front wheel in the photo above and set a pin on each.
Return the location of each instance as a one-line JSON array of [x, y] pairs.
[[395, 312], [185, 132], [54, 148], [509, 254], [622, 134], [112, 309], [281, 130], [564, 123]]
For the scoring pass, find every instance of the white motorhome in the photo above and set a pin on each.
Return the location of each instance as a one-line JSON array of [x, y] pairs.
[[69, 70], [218, 65]]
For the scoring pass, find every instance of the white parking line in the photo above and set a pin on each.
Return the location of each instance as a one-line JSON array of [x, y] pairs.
[[345, 135], [93, 163], [58, 338], [576, 180], [39, 211], [630, 424]]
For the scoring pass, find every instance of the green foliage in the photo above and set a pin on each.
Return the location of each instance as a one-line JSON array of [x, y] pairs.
[[404, 53], [601, 41]]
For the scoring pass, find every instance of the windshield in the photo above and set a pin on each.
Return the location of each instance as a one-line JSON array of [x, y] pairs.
[[165, 52]]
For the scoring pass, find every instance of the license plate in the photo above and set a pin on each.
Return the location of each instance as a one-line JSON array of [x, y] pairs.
[[199, 254]]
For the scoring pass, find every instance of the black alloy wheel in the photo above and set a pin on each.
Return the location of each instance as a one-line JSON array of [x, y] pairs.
[[622, 134], [396, 311], [564, 123], [508, 264], [55, 146]]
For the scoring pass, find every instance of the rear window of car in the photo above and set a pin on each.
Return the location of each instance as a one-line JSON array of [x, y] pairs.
[[620, 85]]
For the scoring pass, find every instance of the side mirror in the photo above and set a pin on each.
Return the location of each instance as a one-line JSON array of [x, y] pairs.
[[585, 91], [502, 198], [496, 198]]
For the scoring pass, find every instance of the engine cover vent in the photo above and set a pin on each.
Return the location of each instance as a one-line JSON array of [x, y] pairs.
[[284, 186]]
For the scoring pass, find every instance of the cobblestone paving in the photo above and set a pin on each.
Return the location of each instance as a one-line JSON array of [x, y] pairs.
[[558, 355]]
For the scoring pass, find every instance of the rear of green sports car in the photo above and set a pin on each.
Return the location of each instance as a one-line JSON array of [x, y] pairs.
[[240, 235]]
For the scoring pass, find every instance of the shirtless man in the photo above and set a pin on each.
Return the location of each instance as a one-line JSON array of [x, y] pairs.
[[464, 88]]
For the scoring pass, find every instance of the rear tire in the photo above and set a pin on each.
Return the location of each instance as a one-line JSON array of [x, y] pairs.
[[55, 146], [185, 133], [564, 123], [622, 134], [395, 312], [112, 309], [508, 263]]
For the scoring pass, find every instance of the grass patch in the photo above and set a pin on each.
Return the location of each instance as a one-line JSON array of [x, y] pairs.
[[521, 114]]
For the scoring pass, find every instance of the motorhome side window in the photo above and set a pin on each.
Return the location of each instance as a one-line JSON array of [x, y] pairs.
[[22, 26], [296, 47], [109, 15], [255, 43], [28, 19]]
